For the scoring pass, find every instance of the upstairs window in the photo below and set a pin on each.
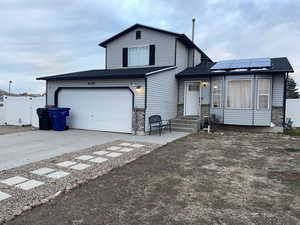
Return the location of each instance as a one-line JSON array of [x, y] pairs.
[[138, 35], [263, 95], [216, 93], [138, 56], [239, 94]]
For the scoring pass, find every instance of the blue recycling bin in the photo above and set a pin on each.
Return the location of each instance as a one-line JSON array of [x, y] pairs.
[[58, 118]]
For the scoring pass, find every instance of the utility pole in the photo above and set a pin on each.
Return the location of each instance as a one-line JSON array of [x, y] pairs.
[[193, 39], [9, 87], [193, 29]]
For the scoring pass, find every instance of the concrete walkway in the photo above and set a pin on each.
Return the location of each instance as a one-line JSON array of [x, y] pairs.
[[22, 148]]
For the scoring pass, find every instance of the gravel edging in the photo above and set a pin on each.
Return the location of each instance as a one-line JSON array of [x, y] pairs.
[[25, 200]]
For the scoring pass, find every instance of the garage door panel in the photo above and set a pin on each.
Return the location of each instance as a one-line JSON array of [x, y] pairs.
[[98, 109]]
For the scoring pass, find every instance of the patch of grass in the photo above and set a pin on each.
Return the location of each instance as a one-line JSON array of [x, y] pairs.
[[293, 132], [292, 150]]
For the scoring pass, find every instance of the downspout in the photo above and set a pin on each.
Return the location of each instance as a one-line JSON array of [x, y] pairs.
[[224, 97], [210, 103], [193, 39], [284, 98], [254, 89], [145, 110], [46, 94]]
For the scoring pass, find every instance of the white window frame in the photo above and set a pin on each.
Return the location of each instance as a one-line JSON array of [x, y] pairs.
[[138, 46], [221, 93], [251, 94], [258, 94]]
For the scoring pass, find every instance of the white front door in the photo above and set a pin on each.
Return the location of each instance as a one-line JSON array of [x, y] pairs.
[[98, 109], [192, 98]]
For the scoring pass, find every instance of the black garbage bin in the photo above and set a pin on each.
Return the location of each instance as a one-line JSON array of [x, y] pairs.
[[44, 119]]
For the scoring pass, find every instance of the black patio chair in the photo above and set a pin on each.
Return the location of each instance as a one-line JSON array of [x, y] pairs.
[[155, 122]]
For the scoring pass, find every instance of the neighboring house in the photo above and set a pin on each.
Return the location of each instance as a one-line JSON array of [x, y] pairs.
[[152, 71]]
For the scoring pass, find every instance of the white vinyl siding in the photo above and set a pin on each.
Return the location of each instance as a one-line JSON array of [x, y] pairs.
[[197, 58], [164, 47], [263, 93], [181, 56], [278, 90], [162, 93], [138, 56]]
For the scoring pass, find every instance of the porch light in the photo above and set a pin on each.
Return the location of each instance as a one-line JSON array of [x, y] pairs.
[[138, 88], [204, 84]]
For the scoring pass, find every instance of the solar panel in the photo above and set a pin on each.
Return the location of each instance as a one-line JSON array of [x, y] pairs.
[[242, 64]]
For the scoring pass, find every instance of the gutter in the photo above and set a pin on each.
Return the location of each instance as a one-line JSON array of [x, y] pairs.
[[162, 70], [284, 98]]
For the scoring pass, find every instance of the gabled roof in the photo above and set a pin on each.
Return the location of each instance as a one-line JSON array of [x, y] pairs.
[[181, 37], [278, 65], [108, 73]]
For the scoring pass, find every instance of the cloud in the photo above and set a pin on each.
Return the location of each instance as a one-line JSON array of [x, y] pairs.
[[53, 36]]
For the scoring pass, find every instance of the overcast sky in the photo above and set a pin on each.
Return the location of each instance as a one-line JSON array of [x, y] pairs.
[[46, 37]]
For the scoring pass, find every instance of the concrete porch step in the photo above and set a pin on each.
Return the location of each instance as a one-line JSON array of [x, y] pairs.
[[183, 129], [183, 121], [184, 125], [190, 118]]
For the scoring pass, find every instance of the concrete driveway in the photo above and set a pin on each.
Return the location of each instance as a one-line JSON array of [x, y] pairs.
[[22, 148]]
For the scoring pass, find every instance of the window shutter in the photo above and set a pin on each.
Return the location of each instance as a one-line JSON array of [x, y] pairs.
[[125, 57], [152, 55]]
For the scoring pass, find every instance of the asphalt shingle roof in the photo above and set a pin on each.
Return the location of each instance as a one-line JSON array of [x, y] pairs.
[[108, 73], [278, 65]]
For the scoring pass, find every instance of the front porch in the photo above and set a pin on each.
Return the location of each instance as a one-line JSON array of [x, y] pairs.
[[194, 104], [243, 100]]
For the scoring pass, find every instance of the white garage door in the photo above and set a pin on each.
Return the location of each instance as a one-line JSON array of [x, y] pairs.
[[98, 109]]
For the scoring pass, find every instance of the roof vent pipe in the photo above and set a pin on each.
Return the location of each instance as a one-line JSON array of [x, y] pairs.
[[193, 29]]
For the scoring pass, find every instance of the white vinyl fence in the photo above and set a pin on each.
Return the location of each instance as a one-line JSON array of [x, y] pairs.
[[21, 111], [293, 111], [1, 115]]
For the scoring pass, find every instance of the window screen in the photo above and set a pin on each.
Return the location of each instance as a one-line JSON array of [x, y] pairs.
[[138, 56], [239, 94], [263, 97], [216, 93]]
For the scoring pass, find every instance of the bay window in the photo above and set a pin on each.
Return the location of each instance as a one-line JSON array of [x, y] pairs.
[[239, 94], [138, 56], [216, 93], [263, 95]]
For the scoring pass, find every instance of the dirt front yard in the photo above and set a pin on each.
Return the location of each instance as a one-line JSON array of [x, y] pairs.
[[230, 178]]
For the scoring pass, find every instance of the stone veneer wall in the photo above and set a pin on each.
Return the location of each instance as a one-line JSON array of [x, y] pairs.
[[277, 116], [179, 110], [205, 110], [138, 121]]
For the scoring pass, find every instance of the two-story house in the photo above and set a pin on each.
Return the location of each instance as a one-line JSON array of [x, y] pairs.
[[151, 71]]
